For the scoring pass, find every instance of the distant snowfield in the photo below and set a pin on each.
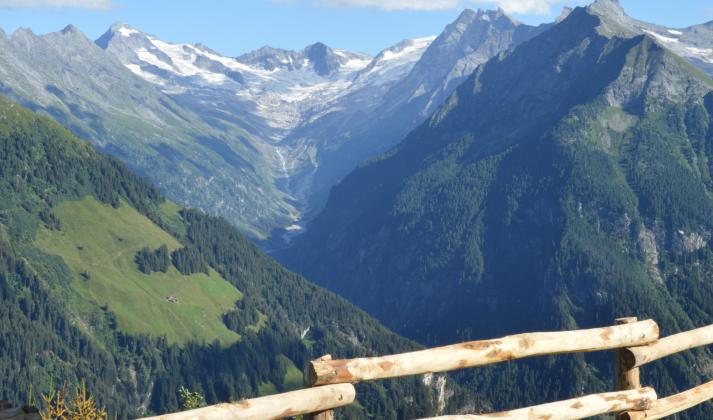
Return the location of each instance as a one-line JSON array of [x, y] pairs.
[[284, 98], [680, 47], [275, 91], [660, 37]]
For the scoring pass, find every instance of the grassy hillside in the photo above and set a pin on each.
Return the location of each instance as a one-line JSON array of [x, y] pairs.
[[99, 243]]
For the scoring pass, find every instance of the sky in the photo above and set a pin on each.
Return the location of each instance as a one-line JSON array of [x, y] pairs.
[[233, 27]]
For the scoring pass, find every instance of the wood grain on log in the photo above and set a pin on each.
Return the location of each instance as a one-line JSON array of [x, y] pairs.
[[639, 356], [278, 406], [576, 408], [674, 404], [478, 353]]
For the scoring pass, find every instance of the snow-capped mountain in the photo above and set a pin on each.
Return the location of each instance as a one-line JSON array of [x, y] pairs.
[[261, 138], [393, 63], [277, 88], [269, 92], [318, 57], [291, 123]]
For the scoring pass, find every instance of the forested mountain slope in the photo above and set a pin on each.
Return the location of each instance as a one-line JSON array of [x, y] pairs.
[[103, 281], [343, 139], [564, 184]]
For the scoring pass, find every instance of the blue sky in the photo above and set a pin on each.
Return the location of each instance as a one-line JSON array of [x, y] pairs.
[[236, 26]]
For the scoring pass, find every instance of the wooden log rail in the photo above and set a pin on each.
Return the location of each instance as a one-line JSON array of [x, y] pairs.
[[576, 408], [478, 353], [328, 383], [639, 356], [673, 404], [289, 404]]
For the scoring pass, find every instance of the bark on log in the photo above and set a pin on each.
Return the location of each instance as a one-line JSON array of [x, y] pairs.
[[639, 356], [278, 406], [478, 353], [576, 408], [674, 404]]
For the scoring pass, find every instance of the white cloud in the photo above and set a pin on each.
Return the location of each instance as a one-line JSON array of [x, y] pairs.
[[78, 4], [534, 7], [395, 4]]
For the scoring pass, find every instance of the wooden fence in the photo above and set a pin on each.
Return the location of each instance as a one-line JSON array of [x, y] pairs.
[[328, 382]]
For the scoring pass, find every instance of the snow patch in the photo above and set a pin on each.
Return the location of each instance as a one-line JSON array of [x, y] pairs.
[[355, 64], [127, 32], [149, 58], [415, 46], [136, 69], [661, 38], [705, 54], [674, 32]]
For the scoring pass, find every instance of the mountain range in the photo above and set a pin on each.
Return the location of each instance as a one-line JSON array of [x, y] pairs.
[[260, 139], [564, 184], [265, 135], [496, 178]]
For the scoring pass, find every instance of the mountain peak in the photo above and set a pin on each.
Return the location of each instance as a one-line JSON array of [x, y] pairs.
[[117, 29], [70, 29], [123, 29], [467, 15], [318, 44], [469, 18], [607, 8], [324, 59], [270, 58], [23, 33], [69, 34], [566, 11], [493, 15], [613, 19]]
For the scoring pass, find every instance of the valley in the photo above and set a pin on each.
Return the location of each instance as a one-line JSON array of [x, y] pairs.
[[176, 220]]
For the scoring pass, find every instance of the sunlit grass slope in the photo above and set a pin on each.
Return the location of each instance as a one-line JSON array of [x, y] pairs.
[[99, 244]]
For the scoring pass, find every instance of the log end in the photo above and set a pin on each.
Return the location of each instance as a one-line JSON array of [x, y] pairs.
[[309, 375], [325, 371], [628, 358], [315, 372]]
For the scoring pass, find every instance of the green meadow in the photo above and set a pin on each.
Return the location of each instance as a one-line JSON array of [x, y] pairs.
[[99, 243]]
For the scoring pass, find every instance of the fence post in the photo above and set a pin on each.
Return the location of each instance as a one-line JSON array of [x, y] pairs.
[[626, 378], [324, 415]]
